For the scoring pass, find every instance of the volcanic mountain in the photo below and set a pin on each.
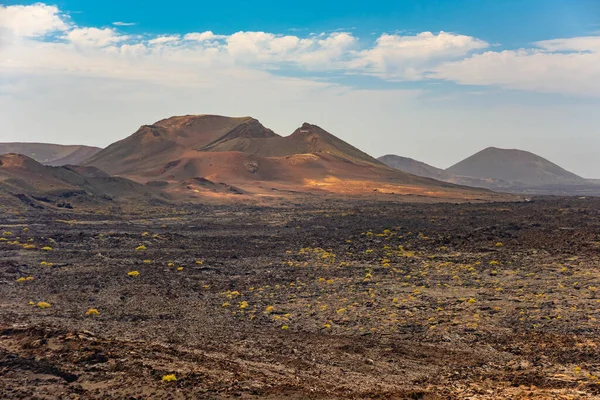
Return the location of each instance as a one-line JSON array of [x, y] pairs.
[[26, 181], [242, 152], [51, 154], [415, 167], [512, 171], [419, 168], [516, 166]]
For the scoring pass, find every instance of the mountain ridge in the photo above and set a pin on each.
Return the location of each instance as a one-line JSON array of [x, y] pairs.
[[49, 153], [240, 151]]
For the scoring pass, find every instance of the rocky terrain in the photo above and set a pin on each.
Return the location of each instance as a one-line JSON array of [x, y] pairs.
[[337, 299]]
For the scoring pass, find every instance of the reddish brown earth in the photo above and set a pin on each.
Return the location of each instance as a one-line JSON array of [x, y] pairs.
[[27, 184], [337, 299], [243, 153]]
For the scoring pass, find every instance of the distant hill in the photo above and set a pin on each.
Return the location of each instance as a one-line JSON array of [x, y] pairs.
[[26, 181], [415, 167], [244, 153], [516, 166], [419, 168], [512, 171], [51, 154]]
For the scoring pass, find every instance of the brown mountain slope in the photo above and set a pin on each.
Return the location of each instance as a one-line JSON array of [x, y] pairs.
[[419, 168], [169, 139], [38, 185], [242, 152], [308, 139], [51, 154], [415, 167], [516, 166]]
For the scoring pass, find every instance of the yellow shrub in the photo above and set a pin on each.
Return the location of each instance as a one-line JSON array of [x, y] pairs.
[[47, 248], [92, 311], [140, 248], [169, 378], [133, 273], [43, 304]]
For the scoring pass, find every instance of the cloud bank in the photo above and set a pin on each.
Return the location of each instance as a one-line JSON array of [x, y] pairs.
[[41, 39]]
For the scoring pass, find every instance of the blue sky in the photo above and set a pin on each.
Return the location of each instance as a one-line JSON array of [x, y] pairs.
[[507, 22], [432, 79]]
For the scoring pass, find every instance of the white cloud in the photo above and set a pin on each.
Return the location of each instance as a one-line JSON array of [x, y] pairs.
[[268, 49], [94, 37], [160, 40], [201, 36], [577, 44], [119, 23], [32, 20], [570, 66], [409, 57]]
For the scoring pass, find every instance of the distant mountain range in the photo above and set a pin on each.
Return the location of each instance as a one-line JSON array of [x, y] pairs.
[[217, 158], [51, 154], [514, 166], [507, 170], [172, 153]]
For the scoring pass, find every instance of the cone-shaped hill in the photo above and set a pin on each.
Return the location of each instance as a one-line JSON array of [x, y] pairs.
[[514, 165]]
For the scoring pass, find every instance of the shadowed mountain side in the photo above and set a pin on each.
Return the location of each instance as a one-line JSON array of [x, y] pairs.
[[415, 167], [38, 185], [308, 139], [51, 154]]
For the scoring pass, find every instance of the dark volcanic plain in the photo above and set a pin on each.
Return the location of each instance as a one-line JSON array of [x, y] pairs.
[[346, 299]]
